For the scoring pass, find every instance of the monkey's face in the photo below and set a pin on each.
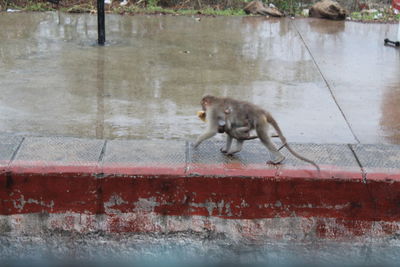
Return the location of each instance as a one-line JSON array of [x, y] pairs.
[[204, 104], [207, 101]]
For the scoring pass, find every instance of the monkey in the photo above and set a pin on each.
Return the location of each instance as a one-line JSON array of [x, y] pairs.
[[238, 133], [244, 116], [225, 126]]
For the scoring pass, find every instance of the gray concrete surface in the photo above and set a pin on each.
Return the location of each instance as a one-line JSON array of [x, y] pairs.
[[185, 248], [8, 146], [325, 81], [371, 156], [326, 155], [142, 152], [58, 150], [67, 151]]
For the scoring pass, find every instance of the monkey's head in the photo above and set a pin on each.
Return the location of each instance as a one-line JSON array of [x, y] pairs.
[[207, 100]]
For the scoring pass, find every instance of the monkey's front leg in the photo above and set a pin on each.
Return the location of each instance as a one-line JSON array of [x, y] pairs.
[[205, 136], [228, 144]]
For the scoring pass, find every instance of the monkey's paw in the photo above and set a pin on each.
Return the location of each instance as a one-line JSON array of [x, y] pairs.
[[223, 150], [277, 160], [230, 153]]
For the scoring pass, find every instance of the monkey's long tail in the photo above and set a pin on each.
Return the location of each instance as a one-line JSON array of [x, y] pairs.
[[248, 138], [271, 120], [302, 158]]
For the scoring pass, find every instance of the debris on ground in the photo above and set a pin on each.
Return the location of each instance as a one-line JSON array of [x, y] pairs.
[[12, 10], [375, 14], [258, 8], [328, 9]]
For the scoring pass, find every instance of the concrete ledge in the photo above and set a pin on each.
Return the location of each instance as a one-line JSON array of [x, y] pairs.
[[163, 186]]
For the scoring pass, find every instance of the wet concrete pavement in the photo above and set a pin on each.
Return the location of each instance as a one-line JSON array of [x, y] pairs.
[[325, 82]]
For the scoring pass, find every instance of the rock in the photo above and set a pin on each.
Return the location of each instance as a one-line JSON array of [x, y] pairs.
[[274, 12], [328, 9], [258, 8]]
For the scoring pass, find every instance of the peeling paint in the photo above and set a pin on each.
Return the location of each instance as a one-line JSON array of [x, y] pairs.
[[224, 209], [115, 200], [20, 203], [146, 204]]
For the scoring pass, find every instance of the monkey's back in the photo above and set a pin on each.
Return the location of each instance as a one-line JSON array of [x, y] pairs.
[[245, 111]]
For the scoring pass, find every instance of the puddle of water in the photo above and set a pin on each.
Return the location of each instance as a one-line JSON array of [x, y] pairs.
[[363, 73], [148, 81]]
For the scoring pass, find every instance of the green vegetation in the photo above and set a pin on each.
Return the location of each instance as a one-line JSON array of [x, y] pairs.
[[290, 7], [84, 8], [31, 6], [212, 11], [38, 6], [287, 6], [152, 3], [151, 8], [160, 10]]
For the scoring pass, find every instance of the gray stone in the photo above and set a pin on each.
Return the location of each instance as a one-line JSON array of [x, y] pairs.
[[258, 8], [328, 9]]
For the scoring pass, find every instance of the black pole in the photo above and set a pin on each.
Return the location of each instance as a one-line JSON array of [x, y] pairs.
[[100, 22]]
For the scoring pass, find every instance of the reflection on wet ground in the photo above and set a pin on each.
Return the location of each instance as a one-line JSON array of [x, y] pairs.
[[363, 74], [148, 82]]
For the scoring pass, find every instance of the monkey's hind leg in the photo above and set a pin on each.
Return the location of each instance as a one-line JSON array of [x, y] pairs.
[[277, 157]]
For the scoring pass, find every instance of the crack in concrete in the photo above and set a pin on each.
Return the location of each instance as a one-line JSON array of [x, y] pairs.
[[363, 171], [16, 151]]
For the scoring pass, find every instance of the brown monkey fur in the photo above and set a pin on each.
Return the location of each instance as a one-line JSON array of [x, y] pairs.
[[240, 118]]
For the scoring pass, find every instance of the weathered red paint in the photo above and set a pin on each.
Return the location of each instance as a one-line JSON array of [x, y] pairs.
[[327, 171], [47, 167], [342, 202], [142, 169], [383, 174], [52, 193], [233, 196], [232, 169]]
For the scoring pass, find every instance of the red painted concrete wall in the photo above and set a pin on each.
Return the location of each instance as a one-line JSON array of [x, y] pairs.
[[352, 204], [248, 197]]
